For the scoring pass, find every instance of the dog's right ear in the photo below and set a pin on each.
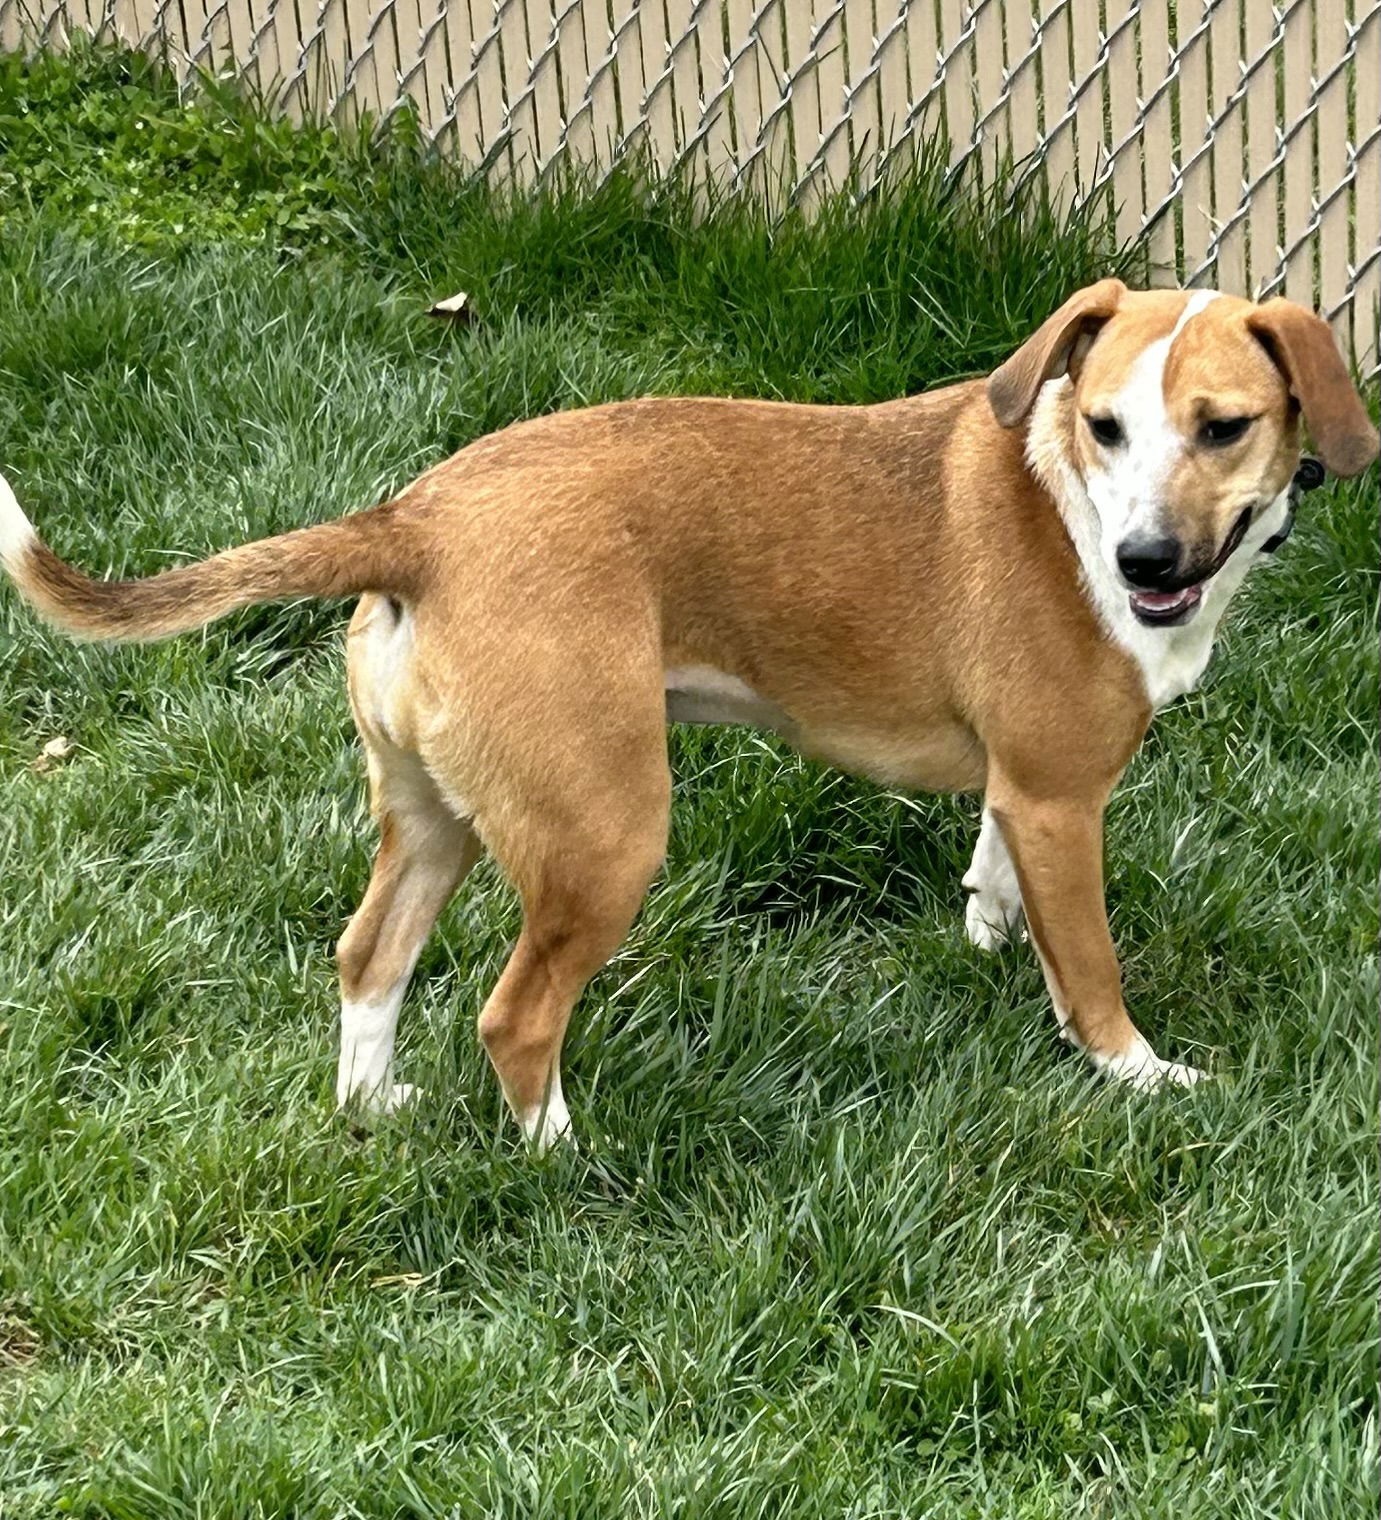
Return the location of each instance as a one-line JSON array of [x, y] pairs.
[[1049, 350]]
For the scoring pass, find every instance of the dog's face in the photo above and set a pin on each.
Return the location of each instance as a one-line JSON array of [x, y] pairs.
[[1183, 438], [1184, 424]]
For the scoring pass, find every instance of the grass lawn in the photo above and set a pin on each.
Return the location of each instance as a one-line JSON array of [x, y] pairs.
[[849, 1234]]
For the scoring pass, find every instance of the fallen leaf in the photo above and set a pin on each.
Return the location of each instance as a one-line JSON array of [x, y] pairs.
[[19, 1343], [454, 308], [53, 753]]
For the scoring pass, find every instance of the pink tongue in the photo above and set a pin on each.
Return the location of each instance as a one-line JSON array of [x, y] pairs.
[[1162, 601]]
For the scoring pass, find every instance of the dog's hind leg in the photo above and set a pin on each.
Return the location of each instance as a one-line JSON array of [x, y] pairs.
[[572, 798], [580, 891], [424, 851]]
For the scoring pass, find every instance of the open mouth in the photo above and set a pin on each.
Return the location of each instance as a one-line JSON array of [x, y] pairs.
[[1166, 609], [1170, 609]]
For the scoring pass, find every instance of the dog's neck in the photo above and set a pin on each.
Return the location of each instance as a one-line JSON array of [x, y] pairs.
[[1171, 660]]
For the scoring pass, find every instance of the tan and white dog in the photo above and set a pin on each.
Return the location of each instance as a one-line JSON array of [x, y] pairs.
[[991, 587]]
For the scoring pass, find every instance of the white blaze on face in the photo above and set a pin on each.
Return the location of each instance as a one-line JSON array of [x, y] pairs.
[[1126, 483]]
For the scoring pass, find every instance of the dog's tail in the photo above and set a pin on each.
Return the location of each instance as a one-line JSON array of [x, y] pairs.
[[366, 552]]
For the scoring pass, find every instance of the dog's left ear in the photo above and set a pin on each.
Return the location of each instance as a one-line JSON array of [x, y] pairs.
[[1050, 349], [1303, 349]]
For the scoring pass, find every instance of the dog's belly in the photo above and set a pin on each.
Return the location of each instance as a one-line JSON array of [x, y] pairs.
[[936, 758], [702, 694], [943, 758]]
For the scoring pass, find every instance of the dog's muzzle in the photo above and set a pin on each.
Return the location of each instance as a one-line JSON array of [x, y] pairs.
[[1170, 609]]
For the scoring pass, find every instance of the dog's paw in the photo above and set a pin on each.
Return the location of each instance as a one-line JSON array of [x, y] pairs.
[[1144, 1071], [549, 1131], [379, 1102], [550, 1124], [990, 922], [390, 1100]]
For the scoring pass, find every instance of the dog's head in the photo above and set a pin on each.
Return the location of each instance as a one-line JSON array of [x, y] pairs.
[[1184, 423]]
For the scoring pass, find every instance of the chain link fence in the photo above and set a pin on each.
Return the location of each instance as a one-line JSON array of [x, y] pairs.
[[1241, 138]]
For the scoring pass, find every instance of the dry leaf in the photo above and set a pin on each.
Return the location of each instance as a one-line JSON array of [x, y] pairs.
[[53, 753], [19, 1343], [454, 308]]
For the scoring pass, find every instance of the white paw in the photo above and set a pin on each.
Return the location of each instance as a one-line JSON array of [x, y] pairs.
[[1144, 1071], [990, 921], [545, 1133], [394, 1098], [378, 1102], [551, 1123]]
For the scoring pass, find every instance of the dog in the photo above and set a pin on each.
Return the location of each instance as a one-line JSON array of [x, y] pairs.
[[987, 587]]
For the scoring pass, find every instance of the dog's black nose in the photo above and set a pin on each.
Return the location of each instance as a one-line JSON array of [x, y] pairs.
[[1148, 562]]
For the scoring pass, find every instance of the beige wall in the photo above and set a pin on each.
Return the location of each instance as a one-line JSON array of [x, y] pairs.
[[1224, 127]]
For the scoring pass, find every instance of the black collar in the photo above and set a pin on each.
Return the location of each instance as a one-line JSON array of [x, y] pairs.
[[1308, 477]]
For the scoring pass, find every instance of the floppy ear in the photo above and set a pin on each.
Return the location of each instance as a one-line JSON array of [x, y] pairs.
[[1047, 352], [1303, 349]]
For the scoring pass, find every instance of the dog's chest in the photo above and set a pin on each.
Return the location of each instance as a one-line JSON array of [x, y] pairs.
[[1169, 665]]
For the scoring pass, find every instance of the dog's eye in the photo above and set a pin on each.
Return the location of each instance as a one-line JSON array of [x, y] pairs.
[[1106, 430], [1225, 429]]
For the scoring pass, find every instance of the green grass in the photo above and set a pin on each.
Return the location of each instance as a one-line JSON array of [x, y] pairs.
[[849, 1233]]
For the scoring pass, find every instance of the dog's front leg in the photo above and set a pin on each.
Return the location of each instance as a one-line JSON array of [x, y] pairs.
[[1056, 844], [993, 913]]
